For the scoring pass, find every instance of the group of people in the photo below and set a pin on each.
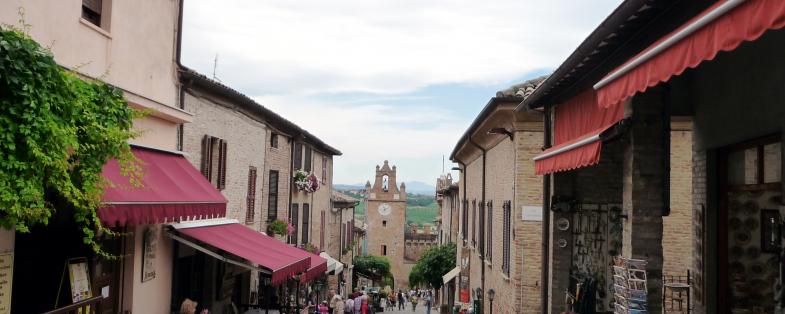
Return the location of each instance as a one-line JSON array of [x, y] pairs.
[[412, 296]]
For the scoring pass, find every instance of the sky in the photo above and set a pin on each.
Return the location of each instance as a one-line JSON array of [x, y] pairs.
[[396, 80]]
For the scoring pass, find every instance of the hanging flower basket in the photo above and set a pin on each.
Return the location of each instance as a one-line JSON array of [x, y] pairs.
[[306, 182]]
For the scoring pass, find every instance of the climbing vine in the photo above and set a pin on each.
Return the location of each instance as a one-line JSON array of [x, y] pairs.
[[57, 131]]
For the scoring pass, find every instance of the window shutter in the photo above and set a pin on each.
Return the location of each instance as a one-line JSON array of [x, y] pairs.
[[272, 200], [206, 156], [489, 242], [307, 159], [306, 222], [474, 222], [294, 213], [298, 156], [321, 233], [222, 165], [481, 229], [93, 5], [251, 195], [351, 232], [507, 208], [324, 169]]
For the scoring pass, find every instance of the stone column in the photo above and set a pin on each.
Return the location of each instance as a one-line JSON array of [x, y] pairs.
[[644, 177]]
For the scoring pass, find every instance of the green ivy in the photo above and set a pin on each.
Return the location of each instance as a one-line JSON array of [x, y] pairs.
[[434, 262], [57, 131]]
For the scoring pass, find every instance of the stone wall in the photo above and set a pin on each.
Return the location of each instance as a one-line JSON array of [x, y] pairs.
[[246, 148], [677, 227], [276, 159]]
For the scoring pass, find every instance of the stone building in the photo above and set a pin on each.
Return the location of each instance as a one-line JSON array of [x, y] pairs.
[[449, 209], [132, 46], [500, 212], [386, 219], [340, 227], [673, 110]]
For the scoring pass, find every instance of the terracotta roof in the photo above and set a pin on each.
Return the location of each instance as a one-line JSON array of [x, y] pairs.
[[191, 78], [522, 89], [340, 197]]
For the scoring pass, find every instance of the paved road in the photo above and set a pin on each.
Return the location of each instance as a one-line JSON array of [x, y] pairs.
[[408, 310]]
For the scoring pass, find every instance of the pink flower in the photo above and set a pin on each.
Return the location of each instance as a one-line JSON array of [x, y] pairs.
[[289, 228]]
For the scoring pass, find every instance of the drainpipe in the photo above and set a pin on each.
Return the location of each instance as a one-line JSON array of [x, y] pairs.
[[546, 218], [482, 226]]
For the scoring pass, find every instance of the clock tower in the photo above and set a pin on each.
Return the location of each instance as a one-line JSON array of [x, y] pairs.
[[386, 219]]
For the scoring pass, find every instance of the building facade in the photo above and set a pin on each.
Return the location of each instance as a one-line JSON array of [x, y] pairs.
[[386, 219], [500, 239]]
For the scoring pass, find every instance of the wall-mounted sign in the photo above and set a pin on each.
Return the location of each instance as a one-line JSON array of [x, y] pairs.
[[150, 246], [6, 280], [532, 213]]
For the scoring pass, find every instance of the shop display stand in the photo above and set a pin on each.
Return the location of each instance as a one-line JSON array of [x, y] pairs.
[[629, 285]]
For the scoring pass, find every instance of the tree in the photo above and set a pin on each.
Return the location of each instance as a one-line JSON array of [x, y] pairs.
[[374, 267], [433, 264], [56, 133]]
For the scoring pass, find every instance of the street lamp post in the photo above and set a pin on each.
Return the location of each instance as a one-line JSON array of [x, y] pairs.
[[491, 295]]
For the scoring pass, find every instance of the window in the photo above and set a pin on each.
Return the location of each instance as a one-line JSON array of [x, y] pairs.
[[307, 166], [273, 140], [384, 250], [306, 222], [474, 222], [321, 231], [213, 165], [755, 164], [384, 223], [324, 169], [385, 182], [272, 199], [481, 229], [507, 220], [489, 235], [293, 216], [342, 236], [298, 156], [465, 222], [91, 11], [250, 199]]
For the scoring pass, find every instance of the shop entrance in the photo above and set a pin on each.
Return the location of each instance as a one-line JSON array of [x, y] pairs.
[[748, 227]]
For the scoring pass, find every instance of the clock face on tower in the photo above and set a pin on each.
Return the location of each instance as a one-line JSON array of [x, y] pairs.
[[384, 209]]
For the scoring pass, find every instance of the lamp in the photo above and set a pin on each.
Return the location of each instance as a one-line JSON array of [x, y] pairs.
[[457, 169], [491, 295], [500, 131]]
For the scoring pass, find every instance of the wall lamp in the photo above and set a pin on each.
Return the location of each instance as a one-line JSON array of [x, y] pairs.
[[457, 169], [500, 131]]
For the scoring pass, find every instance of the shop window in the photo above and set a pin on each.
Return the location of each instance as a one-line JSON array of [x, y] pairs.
[[213, 161], [272, 198], [755, 164]]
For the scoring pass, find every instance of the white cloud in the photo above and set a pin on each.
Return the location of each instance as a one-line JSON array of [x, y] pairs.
[[291, 54]]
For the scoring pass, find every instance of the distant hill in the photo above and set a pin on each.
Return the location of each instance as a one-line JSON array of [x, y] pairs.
[[412, 187]]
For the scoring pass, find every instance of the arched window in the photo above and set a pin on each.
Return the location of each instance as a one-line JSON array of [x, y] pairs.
[[385, 182]]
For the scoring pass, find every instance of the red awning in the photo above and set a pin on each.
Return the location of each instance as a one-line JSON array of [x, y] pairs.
[[282, 260], [578, 124], [172, 190], [318, 266], [722, 27]]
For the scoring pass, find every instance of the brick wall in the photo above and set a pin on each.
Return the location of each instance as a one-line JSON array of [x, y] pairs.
[[246, 147], [699, 199], [677, 227], [277, 159]]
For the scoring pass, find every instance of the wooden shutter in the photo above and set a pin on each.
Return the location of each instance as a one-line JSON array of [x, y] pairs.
[[222, 165], [506, 238], [474, 222], [298, 156], [294, 213], [324, 169], [207, 154], [251, 195], [307, 166], [321, 232], [272, 199], [481, 229], [306, 222], [489, 236]]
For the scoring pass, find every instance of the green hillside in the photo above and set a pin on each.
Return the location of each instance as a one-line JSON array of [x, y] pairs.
[[421, 209]]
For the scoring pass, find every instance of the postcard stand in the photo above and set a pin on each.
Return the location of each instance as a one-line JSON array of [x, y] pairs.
[[629, 285]]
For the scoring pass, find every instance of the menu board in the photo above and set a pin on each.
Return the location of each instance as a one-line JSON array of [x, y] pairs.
[[80, 281], [6, 280]]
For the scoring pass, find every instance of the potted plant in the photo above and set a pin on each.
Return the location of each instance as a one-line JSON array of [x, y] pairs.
[[277, 228]]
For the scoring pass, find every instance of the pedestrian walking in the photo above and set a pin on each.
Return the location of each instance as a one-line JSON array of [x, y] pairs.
[[348, 306], [428, 301], [358, 302], [414, 302], [401, 300]]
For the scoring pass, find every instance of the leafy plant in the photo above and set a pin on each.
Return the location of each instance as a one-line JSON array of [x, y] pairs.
[[434, 263], [374, 267], [56, 133], [277, 227]]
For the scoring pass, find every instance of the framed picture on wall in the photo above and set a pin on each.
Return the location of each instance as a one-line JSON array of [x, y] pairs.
[[770, 232]]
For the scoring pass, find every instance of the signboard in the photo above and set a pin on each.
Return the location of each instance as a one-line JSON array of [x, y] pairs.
[[150, 244], [532, 213], [6, 280], [464, 288], [80, 280]]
